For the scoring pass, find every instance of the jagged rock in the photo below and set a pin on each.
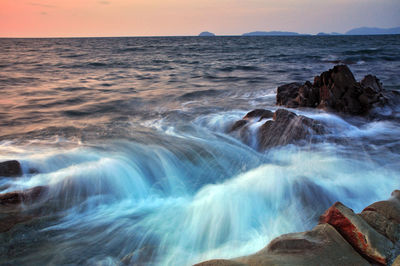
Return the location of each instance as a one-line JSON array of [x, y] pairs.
[[10, 169], [321, 246], [336, 90], [359, 234], [286, 94], [24, 196], [287, 127]]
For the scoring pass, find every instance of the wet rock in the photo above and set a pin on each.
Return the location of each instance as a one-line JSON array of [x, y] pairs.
[[321, 246], [384, 217], [10, 169], [286, 128], [286, 95], [25, 196], [238, 125], [335, 90], [365, 239], [259, 113]]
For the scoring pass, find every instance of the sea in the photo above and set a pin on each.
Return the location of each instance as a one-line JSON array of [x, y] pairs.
[[131, 136]]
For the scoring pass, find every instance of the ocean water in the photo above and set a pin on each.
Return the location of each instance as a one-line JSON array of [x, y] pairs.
[[130, 136]]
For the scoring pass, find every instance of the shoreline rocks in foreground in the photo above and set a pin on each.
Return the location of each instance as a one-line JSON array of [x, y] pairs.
[[342, 237]]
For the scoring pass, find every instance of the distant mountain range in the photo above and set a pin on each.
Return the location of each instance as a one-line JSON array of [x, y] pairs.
[[272, 33], [356, 31], [373, 31]]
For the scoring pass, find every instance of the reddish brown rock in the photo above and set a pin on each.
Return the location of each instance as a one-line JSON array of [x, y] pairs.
[[321, 246], [359, 234], [10, 169], [286, 95], [341, 238]]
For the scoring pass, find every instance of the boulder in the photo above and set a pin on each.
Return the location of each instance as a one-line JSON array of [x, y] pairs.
[[10, 169], [384, 217], [286, 128], [335, 90], [24, 196], [286, 95], [341, 238], [259, 113], [365, 239], [321, 246]]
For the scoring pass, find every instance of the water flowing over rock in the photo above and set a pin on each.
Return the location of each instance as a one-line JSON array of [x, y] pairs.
[[341, 238], [284, 128], [336, 90], [10, 169]]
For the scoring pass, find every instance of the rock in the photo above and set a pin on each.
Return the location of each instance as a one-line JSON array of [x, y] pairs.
[[321, 246], [259, 113], [286, 128], [336, 90], [10, 169], [372, 82], [237, 125], [341, 238], [396, 262], [286, 95], [359, 234], [384, 217], [24, 196]]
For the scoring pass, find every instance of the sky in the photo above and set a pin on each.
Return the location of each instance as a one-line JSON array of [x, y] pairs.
[[89, 18]]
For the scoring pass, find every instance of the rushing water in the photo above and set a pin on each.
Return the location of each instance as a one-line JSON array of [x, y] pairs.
[[130, 135]]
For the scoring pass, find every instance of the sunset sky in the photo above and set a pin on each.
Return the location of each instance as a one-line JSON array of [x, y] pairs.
[[54, 18]]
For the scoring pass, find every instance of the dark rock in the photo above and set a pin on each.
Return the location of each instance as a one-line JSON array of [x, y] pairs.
[[286, 95], [238, 124], [10, 169], [287, 128], [259, 113], [367, 241], [25, 196], [336, 90]]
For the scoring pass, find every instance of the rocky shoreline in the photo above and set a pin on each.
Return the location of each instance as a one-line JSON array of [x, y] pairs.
[[341, 237]]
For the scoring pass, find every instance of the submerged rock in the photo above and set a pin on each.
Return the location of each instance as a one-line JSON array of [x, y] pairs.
[[335, 90], [10, 168], [341, 238]]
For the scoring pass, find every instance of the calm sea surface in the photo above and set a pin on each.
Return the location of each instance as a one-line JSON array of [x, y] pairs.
[[130, 135]]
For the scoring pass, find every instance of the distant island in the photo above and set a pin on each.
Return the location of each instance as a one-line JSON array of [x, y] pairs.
[[206, 34], [373, 31], [272, 33], [328, 34], [355, 31]]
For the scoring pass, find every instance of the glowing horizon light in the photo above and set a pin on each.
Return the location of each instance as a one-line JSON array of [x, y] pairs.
[[74, 18]]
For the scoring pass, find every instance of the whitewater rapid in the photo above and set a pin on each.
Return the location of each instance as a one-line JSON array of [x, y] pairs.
[[191, 192]]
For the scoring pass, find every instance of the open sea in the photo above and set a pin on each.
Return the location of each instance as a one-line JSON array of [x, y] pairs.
[[131, 136]]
